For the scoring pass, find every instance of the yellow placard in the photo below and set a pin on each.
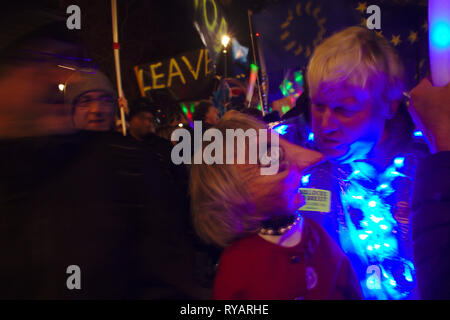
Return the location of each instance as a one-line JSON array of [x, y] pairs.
[[316, 200]]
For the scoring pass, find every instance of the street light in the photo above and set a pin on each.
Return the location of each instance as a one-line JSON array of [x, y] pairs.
[[225, 41]]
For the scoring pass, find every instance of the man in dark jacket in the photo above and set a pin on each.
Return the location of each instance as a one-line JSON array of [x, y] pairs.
[[85, 215], [430, 109]]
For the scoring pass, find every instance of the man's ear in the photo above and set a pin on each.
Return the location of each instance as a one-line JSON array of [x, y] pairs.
[[391, 110]]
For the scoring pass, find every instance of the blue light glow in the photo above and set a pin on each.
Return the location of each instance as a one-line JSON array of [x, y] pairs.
[[372, 204], [311, 137], [418, 133], [440, 34], [399, 161], [281, 129], [305, 179], [376, 219], [374, 238], [407, 275]]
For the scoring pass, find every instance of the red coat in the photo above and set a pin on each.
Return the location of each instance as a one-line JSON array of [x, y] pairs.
[[316, 268]]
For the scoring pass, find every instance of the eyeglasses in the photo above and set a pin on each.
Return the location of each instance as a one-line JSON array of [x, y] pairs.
[[104, 101]]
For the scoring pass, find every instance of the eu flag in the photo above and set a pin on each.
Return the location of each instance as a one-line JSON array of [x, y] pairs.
[[291, 30]]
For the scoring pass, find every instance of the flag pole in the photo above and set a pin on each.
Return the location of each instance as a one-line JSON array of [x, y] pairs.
[[254, 59], [117, 62]]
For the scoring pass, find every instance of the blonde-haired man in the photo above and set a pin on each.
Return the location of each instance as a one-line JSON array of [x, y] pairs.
[[356, 82], [360, 123]]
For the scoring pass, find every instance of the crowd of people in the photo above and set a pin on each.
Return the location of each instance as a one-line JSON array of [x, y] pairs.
[[75, 191]]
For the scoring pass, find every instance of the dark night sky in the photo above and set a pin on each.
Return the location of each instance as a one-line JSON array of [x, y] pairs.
[[148, 30]]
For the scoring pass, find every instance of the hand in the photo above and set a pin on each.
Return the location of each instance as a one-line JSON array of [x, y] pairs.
[[430, 110], [123, 103]]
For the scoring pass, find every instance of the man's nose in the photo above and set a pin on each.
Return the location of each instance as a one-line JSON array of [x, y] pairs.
[[94, 107], [328, 121]]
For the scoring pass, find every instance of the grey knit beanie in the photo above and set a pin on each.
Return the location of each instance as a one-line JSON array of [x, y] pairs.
[[87, 80]]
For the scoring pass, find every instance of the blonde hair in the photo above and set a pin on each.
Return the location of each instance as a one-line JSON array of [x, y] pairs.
[[224, 207], [359, 57]]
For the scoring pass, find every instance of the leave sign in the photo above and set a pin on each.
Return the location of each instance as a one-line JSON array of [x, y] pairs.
[[187, 76]]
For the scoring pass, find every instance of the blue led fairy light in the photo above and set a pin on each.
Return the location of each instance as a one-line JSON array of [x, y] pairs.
[[374, 239], [305, 179], [281, 129], [399, 161], [418, 133]]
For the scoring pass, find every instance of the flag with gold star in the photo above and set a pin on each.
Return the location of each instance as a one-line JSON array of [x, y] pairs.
[[404, 25], [290, 31]]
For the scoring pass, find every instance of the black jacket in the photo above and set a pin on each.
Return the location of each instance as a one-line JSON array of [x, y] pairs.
[[431, 226], [100, 201]]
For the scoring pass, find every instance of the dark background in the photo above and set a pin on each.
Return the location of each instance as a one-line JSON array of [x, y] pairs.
[[148, 30]]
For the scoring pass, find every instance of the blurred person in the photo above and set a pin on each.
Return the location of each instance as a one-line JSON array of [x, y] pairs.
[[360, 122], [257, 114], [166, 131], [89, 199], [271, 252], [230, 95], [207, 113], [430, 109], [32, 103], [142, 130], [142, 119]]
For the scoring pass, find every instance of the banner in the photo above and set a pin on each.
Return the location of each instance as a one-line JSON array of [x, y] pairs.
[[291, 30], [210, 24], [187, 76]]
